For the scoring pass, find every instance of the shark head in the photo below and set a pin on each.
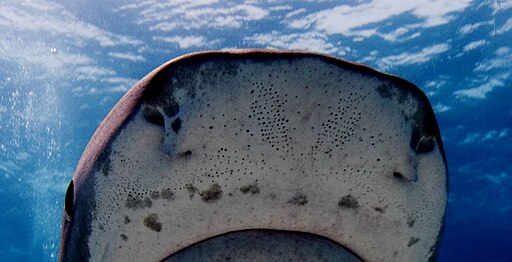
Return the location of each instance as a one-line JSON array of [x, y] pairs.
[[258, 154]]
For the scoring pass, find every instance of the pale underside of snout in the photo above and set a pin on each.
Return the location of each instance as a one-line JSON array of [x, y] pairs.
[[224, 142]]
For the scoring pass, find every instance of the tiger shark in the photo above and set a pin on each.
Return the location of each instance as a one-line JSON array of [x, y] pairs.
[[260, 155]]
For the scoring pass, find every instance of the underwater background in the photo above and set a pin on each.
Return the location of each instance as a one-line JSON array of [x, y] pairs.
[[64, 65]]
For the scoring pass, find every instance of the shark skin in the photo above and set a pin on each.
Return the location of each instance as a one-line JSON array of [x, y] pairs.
[[246, 144]]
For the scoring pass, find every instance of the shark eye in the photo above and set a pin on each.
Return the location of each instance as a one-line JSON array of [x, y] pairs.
[[68, 204]]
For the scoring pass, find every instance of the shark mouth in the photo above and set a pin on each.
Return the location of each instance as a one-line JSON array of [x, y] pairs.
[[265, 245]]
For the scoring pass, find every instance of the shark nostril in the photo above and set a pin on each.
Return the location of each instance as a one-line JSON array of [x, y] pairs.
[[176, 125], [68, 204], [425, 144], [153, 116]]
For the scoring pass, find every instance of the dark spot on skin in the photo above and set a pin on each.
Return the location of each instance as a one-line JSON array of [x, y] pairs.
[[410, 222], [154, 195], [298, 199], [105, 170], [185, 155], [388, 91], [272, 196], [152, 223], [191, 189], [127, 220], [124, 237], [380, 209], [251, 188], [348, 201], [306, 116], [212, 194], [413, 241], [399, 176], [102, 163], [385, 91], [68, 203], [176, 125], [167, 194], [137, 203]]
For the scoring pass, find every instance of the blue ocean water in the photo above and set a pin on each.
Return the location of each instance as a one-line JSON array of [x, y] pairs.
[[64, 65]]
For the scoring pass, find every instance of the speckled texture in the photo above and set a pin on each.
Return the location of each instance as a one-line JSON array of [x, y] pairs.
[[217, 142]]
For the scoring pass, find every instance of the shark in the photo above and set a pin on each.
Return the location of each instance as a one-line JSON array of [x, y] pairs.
[[260, 155]]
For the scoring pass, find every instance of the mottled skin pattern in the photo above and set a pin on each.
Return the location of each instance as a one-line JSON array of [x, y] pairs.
[[80, 197]]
